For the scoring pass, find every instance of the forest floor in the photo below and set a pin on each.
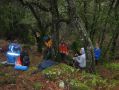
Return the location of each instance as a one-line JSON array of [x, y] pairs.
[[11, 79]]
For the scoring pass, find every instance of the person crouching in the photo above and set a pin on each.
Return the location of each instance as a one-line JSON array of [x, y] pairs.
[[81, 59]]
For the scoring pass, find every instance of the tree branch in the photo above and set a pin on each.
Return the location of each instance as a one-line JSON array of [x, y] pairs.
[[40, 6]]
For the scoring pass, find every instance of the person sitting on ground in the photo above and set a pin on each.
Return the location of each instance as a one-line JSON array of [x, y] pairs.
[[63, 50], [15, 47], [45, 64], [24, 57], [97, 53], [81, 59], [75, 63]]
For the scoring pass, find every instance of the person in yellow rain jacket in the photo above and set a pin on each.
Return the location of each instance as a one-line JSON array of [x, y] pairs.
[[49, 49], [49, 43]]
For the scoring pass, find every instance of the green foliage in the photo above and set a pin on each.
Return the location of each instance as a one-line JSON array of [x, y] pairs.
[[112, 66], [28, 19], [69, 60], [31, 39], [15, 22], [74, 46]]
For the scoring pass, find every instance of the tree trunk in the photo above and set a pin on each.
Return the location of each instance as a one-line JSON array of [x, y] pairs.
[[55, 24]]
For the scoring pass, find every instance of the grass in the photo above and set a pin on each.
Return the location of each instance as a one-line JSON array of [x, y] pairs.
[[112, 66]]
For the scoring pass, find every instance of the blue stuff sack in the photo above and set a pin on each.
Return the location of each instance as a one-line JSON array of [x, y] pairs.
[[22, 68]]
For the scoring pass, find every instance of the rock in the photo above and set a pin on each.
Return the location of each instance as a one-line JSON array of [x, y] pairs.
[[61, 84]]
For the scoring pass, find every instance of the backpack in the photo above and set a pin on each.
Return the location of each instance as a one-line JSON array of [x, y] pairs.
[[25, 58], [26, 61]]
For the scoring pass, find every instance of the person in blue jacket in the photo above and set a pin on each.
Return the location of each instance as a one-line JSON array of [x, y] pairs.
[[97, 53]]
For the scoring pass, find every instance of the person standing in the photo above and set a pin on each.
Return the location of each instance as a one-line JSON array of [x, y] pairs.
[[48, 49], [97, 53]]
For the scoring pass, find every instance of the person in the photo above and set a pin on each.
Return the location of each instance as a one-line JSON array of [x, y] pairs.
[[97, 53], [50, 61], [48, 43], [14, 50], [75, 63], [48, 52], [63, 50], [81, 59], [14, 47], [24, 57]]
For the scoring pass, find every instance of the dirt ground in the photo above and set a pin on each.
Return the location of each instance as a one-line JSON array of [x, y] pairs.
[[20, 80]]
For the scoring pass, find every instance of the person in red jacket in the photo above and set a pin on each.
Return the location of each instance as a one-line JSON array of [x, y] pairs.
[[63, 50]]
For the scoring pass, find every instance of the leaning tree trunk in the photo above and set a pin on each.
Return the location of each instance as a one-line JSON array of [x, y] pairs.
[[77, 23]]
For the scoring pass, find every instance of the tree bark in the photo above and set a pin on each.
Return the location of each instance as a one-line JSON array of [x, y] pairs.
[[55, 24]]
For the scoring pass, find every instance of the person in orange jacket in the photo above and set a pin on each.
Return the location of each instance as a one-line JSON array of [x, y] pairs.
[[63, 50]]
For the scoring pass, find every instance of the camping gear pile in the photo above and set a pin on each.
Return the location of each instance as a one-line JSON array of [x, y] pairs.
[[15, 56]]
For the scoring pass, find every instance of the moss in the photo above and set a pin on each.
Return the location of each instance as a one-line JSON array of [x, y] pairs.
[[77, 85], [59, 70], [37, 86]]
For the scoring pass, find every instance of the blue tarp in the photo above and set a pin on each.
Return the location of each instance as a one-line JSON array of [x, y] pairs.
[[45, 64]]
